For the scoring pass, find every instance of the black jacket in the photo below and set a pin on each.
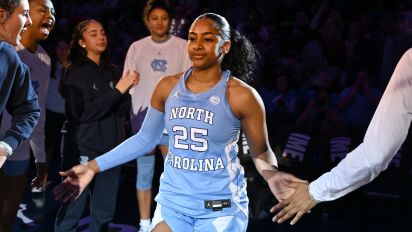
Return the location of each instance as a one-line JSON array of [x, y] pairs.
[[17, 96], [95, 109]]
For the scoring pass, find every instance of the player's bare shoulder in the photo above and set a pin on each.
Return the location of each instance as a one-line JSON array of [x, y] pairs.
[[165, 85], [169, 81], [240, 94], [239, 89]]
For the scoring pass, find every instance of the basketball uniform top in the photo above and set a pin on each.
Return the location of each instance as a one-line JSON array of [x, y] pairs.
[[202, 162]]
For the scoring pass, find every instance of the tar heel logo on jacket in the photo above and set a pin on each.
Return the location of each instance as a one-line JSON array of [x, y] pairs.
[[214, 100]]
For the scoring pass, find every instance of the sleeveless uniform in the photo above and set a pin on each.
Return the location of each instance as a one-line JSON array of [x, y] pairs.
[[202, 158]]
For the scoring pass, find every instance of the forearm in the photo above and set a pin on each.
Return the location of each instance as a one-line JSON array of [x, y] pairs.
[[24, 108], [266, 164], [137, 145]]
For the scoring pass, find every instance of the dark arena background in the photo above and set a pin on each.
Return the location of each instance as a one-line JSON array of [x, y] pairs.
[[323, 68]]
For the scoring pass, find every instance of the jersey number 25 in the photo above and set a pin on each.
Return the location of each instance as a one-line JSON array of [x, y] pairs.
[[196, 142]]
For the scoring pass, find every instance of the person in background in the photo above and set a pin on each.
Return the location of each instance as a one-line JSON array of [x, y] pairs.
[[14, 18], [202, 187], [154, 56], [38, 62], [55, 107], [96, 105], [357, 103]]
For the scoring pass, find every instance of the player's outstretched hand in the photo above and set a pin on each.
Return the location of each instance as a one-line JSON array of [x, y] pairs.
[[298, 204], [77, 178]]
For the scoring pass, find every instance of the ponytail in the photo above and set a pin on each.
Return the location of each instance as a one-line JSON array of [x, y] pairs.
[[242, 57]]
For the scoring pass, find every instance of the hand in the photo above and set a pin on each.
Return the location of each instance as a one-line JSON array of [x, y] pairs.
[[77, 178], [128, 80], [283, 185], [298, 204], [2, 160], [3, 156], [41, 178]]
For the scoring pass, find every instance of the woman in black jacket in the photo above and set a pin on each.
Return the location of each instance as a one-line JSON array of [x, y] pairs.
[[97, 103]]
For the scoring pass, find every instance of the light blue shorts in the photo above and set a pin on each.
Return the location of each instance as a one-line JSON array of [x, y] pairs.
[[180, 222], [15, 168]]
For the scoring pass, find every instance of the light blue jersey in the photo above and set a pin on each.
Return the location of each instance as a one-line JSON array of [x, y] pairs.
[[202, 162]]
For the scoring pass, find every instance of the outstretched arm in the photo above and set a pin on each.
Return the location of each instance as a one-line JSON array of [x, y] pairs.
[[254, 125], [385, 135], [140, 144]]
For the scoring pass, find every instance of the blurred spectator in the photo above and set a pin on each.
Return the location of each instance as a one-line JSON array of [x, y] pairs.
[[358, 103], [279, 100], [397, 41]]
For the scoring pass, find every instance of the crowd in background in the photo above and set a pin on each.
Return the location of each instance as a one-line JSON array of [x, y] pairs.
[[313, 53], [323, 66]]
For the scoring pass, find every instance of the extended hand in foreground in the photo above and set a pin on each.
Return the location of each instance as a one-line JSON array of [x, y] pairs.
[[77, 178], [298, 204]]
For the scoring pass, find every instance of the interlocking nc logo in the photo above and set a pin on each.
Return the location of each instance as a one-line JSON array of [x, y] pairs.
[[159, 65]]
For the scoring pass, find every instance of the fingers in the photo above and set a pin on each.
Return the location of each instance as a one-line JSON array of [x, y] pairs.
[[71, 194], [66, 173], [296, 218], [278, 206], [284, 214], [58, 192], [66, 192], [287, 212]]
